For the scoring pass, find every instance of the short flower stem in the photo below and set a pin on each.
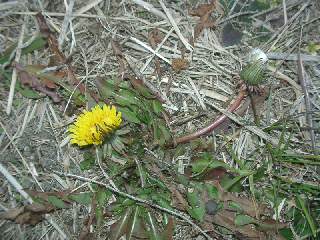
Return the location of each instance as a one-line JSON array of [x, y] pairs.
[[234, 106]]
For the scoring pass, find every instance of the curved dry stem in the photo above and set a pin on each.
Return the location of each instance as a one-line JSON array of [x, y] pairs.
[[234, 106]]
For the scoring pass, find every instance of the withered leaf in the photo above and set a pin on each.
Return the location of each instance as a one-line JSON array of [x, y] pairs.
[[179, 64], [28, 79], [117, 51], [155, 38], [203, 11], [215, 173], [29, 214], [59, 58]]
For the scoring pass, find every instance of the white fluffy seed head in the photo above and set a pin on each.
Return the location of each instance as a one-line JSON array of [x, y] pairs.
[[257, 55]]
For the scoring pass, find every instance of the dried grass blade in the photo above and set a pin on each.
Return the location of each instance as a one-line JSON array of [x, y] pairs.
[[304, 85]]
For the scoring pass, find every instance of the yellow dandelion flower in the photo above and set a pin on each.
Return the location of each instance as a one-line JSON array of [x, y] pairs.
[[91, 127]]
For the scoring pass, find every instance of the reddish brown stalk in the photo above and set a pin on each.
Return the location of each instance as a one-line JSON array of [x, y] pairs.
[[234, 106]]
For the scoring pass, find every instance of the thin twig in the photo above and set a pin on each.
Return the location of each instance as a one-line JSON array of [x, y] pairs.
[[66, 22], [87, 7], [147, 47], [292, 57], [23, 160], [150, 8], [234, 16], [14, 71], [285, 15], [277, 35], [289, 80], [58, 14], [302, 80], [175, 26], [13, 181], [111, 182], [174, 212], [156, 50]]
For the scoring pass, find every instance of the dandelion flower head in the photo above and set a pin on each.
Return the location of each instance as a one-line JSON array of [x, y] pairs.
[[91, 127]]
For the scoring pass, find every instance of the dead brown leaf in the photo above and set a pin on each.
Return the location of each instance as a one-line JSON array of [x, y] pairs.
[[59, 58], [28, 79], [247, 205], [179, 64], [117, 51], [85, 232], [178, 199], [214, 174], [63, 195], [262, 229], [204, 12], [169, 229], [226, 219], [29, 214], [155, 37]]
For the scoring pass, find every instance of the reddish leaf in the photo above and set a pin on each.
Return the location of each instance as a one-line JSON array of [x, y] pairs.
[[169, 229], [120, 227], [155, 38], [215, 173], [27, 79], [63, 195], [30, 214], [117, 51], [59, 57], [203, 11]]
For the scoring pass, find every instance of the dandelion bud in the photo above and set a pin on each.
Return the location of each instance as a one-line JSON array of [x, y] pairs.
[[253, 72]]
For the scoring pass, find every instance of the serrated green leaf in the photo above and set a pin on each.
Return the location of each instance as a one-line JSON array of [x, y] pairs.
[[117, 144], [129, 115], [182, 179], [38, 43], [212, 191], [197, 213], [197, 206], [88, 162], [27, 92], [205, 162], [307, 214], [125, 98], [157, 134], [103, 196], [145, 116], [157, 106], [133, 222], [57, 202], [193, 198], [99, 215], [82, 198], [105, 88], [144, 91], [235, 206], [156, 181], [241, 220], [286, 233], [165, 132], [231, 184], [161, 200]]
